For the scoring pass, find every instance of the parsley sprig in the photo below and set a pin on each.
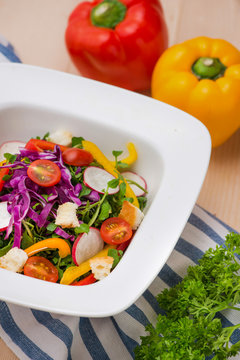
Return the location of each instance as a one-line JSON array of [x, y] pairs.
[[190, 326]]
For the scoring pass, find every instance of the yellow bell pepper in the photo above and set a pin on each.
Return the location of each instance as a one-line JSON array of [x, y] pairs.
[[131, 158], [73, 272], [102, 160], [51, 243], [202, 77]]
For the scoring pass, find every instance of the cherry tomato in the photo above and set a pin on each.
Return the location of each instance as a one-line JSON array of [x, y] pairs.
[[40, 268], [44, 172], [77, 157], [115, 231]]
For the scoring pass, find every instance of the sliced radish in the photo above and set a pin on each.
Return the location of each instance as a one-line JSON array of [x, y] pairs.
[[11, 147], [4, 216], [97, 179], [87, 245], [129, 175]]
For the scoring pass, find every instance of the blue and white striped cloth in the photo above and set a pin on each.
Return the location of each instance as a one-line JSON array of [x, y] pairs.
[[38, 335], [33, 334]]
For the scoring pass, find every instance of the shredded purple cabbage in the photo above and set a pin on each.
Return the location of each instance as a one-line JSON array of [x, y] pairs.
[[26, 196]]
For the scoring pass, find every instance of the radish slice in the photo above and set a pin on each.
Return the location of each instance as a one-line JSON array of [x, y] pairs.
[[97, 179], [129, 175], [11, 147], [4, 216], [87, 245]]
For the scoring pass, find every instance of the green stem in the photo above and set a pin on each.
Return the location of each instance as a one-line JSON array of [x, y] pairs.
[[134, 183], [93, 219], [233, 308], [108, 14], [25, 224], [208, 68]]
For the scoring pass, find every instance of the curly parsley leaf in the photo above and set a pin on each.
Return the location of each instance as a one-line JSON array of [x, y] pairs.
[[190, 327]]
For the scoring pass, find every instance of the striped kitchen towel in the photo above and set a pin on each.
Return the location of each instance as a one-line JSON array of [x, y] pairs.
[[7, 51], [33, 334]]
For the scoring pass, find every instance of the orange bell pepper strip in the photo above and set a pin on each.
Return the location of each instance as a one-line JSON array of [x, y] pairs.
[[102, 160], [131, 158], [73, 272], [51, 243]]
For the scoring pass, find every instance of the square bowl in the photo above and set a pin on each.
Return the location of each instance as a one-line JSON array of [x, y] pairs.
[[173, 155]]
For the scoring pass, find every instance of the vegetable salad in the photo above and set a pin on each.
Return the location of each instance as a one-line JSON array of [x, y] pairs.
[[67, 213]]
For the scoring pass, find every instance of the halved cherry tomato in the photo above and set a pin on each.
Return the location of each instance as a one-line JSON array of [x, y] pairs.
[[77, 157], [3, 172], [44, 172], [90, 279], [40, 145], [115, 231], [40, 268]]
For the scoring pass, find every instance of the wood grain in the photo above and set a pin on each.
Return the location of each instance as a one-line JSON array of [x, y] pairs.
[[36, 29]]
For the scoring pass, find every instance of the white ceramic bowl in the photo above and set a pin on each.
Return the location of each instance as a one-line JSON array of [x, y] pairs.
[[174, 150]]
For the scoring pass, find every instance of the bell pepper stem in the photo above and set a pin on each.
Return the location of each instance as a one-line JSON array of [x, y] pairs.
[[208, 68], [108, 14]]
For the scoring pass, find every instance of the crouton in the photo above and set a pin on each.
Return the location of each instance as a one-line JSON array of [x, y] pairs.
[[131, 214], [14, 260], [66, 215], [101, 266], [61, 137]]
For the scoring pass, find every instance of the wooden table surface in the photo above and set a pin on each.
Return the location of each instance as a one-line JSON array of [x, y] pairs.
[[36, 29]]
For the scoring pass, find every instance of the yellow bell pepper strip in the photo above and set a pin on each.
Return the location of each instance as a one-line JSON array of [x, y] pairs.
[[51, 243], [131, 158], [73, 272], [202, 77], [102, 160]]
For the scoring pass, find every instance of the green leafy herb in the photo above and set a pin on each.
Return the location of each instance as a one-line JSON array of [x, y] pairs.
[[51, 227], [27, 240], [46, 136], [142, 200], [10, 158], [119, 164], [5, 248], [85, 191], [117, 153], [77, 142], [113, 183], [116, 255], [122, 165], [46, 196], [191, 327], [122, 189], [105, 211], [6, 177], [83, 228], [27, 160]]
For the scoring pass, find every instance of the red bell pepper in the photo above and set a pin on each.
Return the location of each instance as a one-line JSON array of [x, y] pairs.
[[3, 172], [117, 41], [40, 145], [90, 279]]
